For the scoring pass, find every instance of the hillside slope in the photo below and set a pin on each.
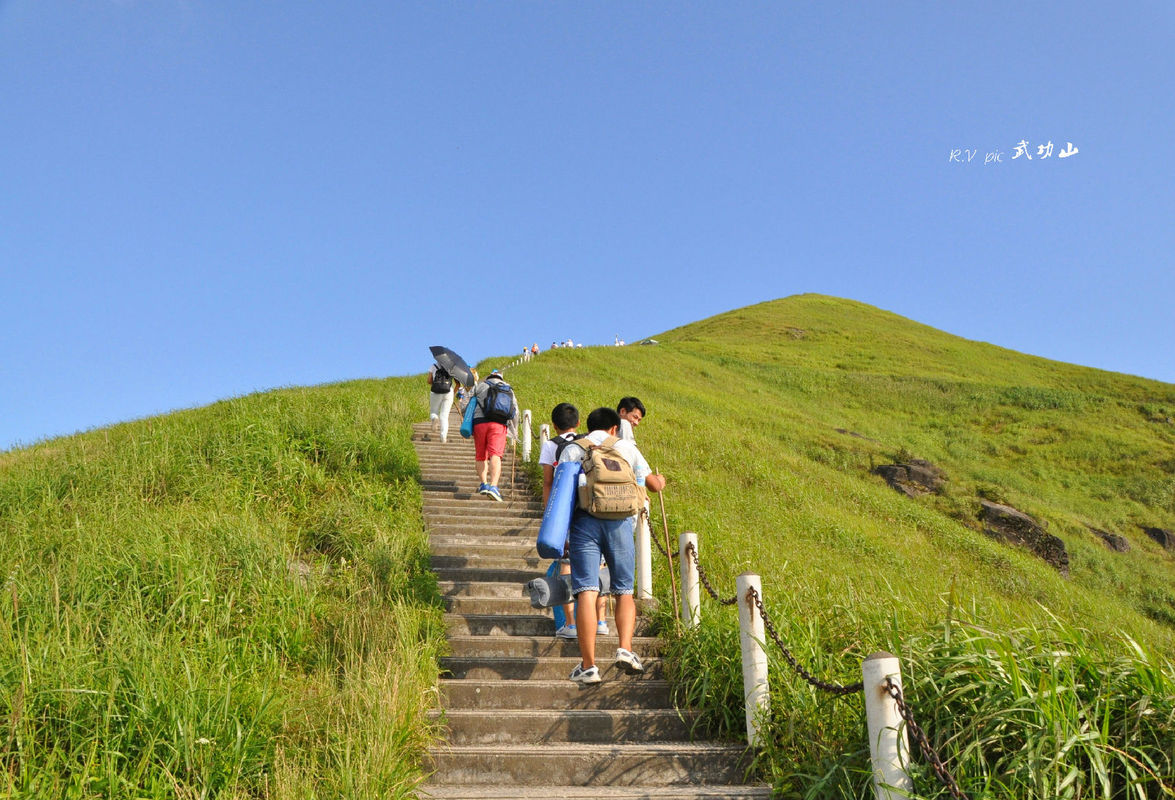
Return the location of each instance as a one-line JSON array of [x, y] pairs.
[[234, 600], [769, 419]]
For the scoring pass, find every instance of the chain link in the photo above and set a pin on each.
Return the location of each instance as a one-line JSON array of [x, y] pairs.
[[652, 534], [832, 688], [693, 554], [919, 735]]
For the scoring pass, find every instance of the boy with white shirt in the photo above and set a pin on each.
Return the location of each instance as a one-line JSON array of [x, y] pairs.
[[592, 537]]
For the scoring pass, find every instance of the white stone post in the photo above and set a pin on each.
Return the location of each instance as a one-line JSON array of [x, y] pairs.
[[889, 750], [526, 435], [544, 436], [691, 599], [751, 634], [644, 558]]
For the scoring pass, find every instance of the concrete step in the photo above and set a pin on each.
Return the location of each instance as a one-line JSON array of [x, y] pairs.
[[547, 668], [493, 561], [516, 576], [470, 485], [598, 726], [482, 509], [499, 625], [581, 764], [444, 544], [490, 647], [561, 693], [479, 589], [561, 792], [532, 624], [505, 528], [477, 501], [493, 606]]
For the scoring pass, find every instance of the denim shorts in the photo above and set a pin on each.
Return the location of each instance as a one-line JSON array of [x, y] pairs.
[[592, 538]]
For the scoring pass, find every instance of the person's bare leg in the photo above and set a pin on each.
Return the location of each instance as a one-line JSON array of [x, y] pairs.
[[625, 619], [568, 609], [495, 463], [585, 627], [482, 469]]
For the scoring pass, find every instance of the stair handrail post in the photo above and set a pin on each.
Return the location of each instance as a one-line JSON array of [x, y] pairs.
[[644, 557], [752, 637], [691, 597], [889, 749], [526, 435], [544, 436]]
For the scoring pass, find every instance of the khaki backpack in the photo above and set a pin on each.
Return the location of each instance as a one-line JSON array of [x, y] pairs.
[[610, 490]]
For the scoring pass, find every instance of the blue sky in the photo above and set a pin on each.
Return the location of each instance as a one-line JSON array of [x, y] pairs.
[[202, 199]]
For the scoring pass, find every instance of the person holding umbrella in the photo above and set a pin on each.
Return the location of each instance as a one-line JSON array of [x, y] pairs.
[[449, 367]]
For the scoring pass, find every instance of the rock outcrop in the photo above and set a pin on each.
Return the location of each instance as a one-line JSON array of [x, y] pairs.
[[1010, 525], [1163, 536], [913, 478], [1114, 541]]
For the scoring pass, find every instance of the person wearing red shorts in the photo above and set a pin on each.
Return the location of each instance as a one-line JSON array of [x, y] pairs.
[[490, 431]]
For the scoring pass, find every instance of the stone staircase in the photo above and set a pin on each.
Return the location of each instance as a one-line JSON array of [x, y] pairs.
[[518, 728]]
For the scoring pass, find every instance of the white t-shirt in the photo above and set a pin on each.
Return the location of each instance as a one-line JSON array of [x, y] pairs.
[[640, 467], [625, 431], [547, 453]]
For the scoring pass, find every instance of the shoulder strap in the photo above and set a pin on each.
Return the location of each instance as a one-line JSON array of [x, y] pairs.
[[610, 441]]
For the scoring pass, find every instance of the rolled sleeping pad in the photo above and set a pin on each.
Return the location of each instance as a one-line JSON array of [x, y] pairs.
[[547, 591], [557, 516], [554, 591]]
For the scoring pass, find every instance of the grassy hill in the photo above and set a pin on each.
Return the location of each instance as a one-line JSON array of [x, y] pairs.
[[752, 414], [234, 601], [768, 421]]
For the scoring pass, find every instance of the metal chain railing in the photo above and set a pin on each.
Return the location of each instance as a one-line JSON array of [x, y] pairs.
[[919, 735], [693, 554], [832, 688], [840, 690]]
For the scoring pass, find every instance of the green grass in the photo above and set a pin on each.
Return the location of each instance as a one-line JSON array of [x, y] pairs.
[[234, 601], [744, 412], [227, 602]]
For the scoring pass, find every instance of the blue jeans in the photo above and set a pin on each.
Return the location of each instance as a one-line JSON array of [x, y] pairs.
[[591, 538]]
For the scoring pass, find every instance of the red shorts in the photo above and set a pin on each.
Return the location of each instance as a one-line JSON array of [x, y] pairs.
[[490, 440]]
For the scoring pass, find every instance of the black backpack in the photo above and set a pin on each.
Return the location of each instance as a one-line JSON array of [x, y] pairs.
[[561, 443], [442, 382], [498, 405]]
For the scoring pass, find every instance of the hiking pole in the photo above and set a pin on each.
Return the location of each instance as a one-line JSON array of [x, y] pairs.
[[669, 558], [513, 461]]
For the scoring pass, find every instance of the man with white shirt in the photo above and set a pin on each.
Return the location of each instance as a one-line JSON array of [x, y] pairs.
[[592, 538], [631, 411]]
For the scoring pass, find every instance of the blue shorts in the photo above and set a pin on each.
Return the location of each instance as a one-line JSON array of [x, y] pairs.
[[591, 538]]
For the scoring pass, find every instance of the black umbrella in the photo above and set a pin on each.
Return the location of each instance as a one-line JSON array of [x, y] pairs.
[[454, 365]]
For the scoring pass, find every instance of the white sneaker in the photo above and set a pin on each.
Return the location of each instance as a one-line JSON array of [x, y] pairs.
[[602, 627], [629, 659], [567, 632], [589, 675]]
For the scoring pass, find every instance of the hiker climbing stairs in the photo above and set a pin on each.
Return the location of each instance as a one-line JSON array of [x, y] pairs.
[[517, 726]]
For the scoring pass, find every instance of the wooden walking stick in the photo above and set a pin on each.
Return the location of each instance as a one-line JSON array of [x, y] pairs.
[[669, 558]]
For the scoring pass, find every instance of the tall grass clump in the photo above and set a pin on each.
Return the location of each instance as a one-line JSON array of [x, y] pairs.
[[232, 601]]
